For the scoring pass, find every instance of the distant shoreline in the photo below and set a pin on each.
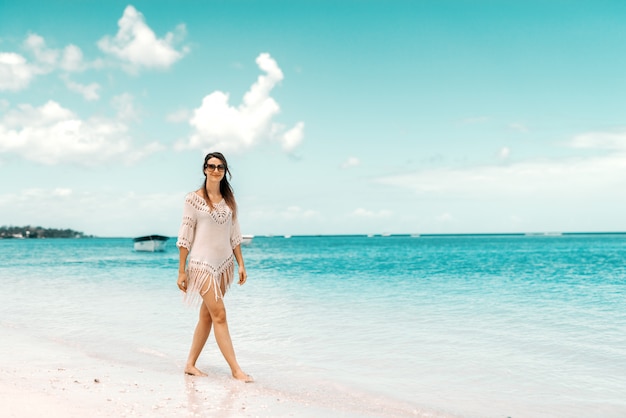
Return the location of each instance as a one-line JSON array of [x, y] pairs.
[[38, 232]]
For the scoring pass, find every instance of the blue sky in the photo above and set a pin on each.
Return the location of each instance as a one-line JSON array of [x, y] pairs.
[[337, 117]]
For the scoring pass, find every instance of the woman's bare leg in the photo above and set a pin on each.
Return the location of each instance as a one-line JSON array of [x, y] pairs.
[[200, 335], [222, 335]]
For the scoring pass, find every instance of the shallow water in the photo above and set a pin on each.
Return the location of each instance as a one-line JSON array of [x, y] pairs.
[[461, 325]]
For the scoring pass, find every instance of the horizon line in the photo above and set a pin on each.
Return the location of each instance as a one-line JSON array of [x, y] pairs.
[[414, 235]]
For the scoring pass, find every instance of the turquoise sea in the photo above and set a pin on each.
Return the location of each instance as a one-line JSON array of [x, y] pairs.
[[472, 326]]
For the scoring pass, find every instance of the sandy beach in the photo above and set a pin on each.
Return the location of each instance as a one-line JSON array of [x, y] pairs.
[[75, 393], [45, 378]]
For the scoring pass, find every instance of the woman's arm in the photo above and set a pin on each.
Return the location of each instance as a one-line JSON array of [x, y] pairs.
[[242, 269], [182, 262]]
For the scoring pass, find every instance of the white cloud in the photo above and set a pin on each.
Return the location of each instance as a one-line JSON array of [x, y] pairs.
[[219, 125], [45, 56], [60, 191], [51, 134], [15, 72], [525, 181], [504, 153], [364, 213], [351, 162], [72, 59], [89, 91], [293, 137], [126, 110], [136, 44], [69, 59], [600, 140]]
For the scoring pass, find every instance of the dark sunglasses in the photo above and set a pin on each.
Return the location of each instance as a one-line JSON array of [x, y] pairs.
[[219, 167]]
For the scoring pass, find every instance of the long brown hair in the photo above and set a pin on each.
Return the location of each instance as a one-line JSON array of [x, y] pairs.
[[226, 189]]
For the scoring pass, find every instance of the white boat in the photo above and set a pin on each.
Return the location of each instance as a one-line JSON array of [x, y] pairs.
[[246, 239], [150, 243]]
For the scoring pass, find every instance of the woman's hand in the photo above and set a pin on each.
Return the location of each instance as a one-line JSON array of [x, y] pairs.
[[182, 281], [242, 275]]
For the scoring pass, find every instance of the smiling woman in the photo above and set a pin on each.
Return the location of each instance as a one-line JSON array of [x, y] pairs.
[[209, 242]]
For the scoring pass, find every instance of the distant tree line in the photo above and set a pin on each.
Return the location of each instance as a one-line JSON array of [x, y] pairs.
[[38, 232]]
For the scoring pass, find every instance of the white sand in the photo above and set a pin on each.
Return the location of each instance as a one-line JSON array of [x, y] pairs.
[[19, 402], [45, 378], [116, 391]]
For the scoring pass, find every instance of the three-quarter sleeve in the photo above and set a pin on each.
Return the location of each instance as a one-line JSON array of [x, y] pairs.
[[235, 233], [187, 226]]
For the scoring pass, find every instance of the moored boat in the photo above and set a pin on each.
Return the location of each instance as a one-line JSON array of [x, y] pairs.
[[150, 243]]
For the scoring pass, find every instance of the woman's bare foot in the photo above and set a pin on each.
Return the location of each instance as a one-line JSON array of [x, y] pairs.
[[240, 375], [194, 371]]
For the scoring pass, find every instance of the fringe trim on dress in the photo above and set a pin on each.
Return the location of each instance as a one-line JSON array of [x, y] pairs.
[[199, 273]]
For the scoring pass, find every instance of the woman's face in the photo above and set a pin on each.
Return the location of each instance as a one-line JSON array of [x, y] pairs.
[[215, 169]]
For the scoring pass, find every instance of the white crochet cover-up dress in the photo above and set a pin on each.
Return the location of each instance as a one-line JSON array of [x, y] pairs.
[[210, 236]]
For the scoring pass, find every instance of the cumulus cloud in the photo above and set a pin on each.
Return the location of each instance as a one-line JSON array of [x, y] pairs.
[[219, 125], [137, 45], [88, 91], [72, 59], [47, 59], [44, 55], [51, 134], [15, 72]]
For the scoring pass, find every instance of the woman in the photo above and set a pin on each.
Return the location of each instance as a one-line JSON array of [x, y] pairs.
[[209, 242]]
